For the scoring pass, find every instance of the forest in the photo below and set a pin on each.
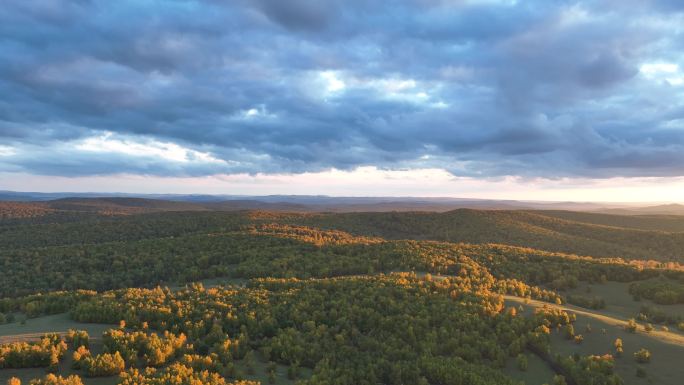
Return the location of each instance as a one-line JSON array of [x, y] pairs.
[[362, 298]]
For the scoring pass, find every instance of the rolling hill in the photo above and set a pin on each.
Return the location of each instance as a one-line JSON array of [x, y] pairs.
[[520, 228], [668, 223], [330, 285], [668, 209], [121, 205], [594, 234], [317, 203]]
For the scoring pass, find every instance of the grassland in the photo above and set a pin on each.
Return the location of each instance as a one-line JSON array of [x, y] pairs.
[[667, 347], [619, 302], [34, 328], [537, 373]]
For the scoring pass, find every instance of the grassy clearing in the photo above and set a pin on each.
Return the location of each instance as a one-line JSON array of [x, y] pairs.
[[34, 328], [667, 348], [537, 373], [261, 373], [618, 300]]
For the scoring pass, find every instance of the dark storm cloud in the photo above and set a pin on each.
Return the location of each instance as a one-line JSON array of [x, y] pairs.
[[298, 14], [480, 88]]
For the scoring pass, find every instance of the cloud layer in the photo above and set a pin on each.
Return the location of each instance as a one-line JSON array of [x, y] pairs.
[[590, 89]]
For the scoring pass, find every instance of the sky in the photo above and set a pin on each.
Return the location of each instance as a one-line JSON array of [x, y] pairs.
[[544, 100]]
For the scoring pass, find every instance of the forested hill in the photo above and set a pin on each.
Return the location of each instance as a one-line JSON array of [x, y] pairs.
[[661, 222], [150, 249], [537, 229], [81, 220], [59, 209]]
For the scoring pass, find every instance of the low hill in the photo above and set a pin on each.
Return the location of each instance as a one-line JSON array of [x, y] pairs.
[[121, 205], [332, 203], [669, 209], [520, 228], [668, 223], [246, 204], [602, 235], [104, 206], [13, 210]]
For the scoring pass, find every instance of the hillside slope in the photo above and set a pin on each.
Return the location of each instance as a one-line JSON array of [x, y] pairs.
[[519, 228], [667, 223], [632, 237], [323, 298], [121, 205], [667, 209]]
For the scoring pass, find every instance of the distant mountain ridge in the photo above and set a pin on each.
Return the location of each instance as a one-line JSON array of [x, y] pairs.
[[318, 203], [120, 205], [668, 209]]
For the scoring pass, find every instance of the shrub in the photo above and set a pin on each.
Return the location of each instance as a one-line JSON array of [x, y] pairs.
[[103, 365], [175, 374], [631, 326], [642, 356], [44, 353], [78, 338], [522, 362], [293, 371], [587, 302], [249, 362], [618, 347], [154, 350], [79, 357], [660, 291], [52, 379], [569, 332], [655, 315]]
